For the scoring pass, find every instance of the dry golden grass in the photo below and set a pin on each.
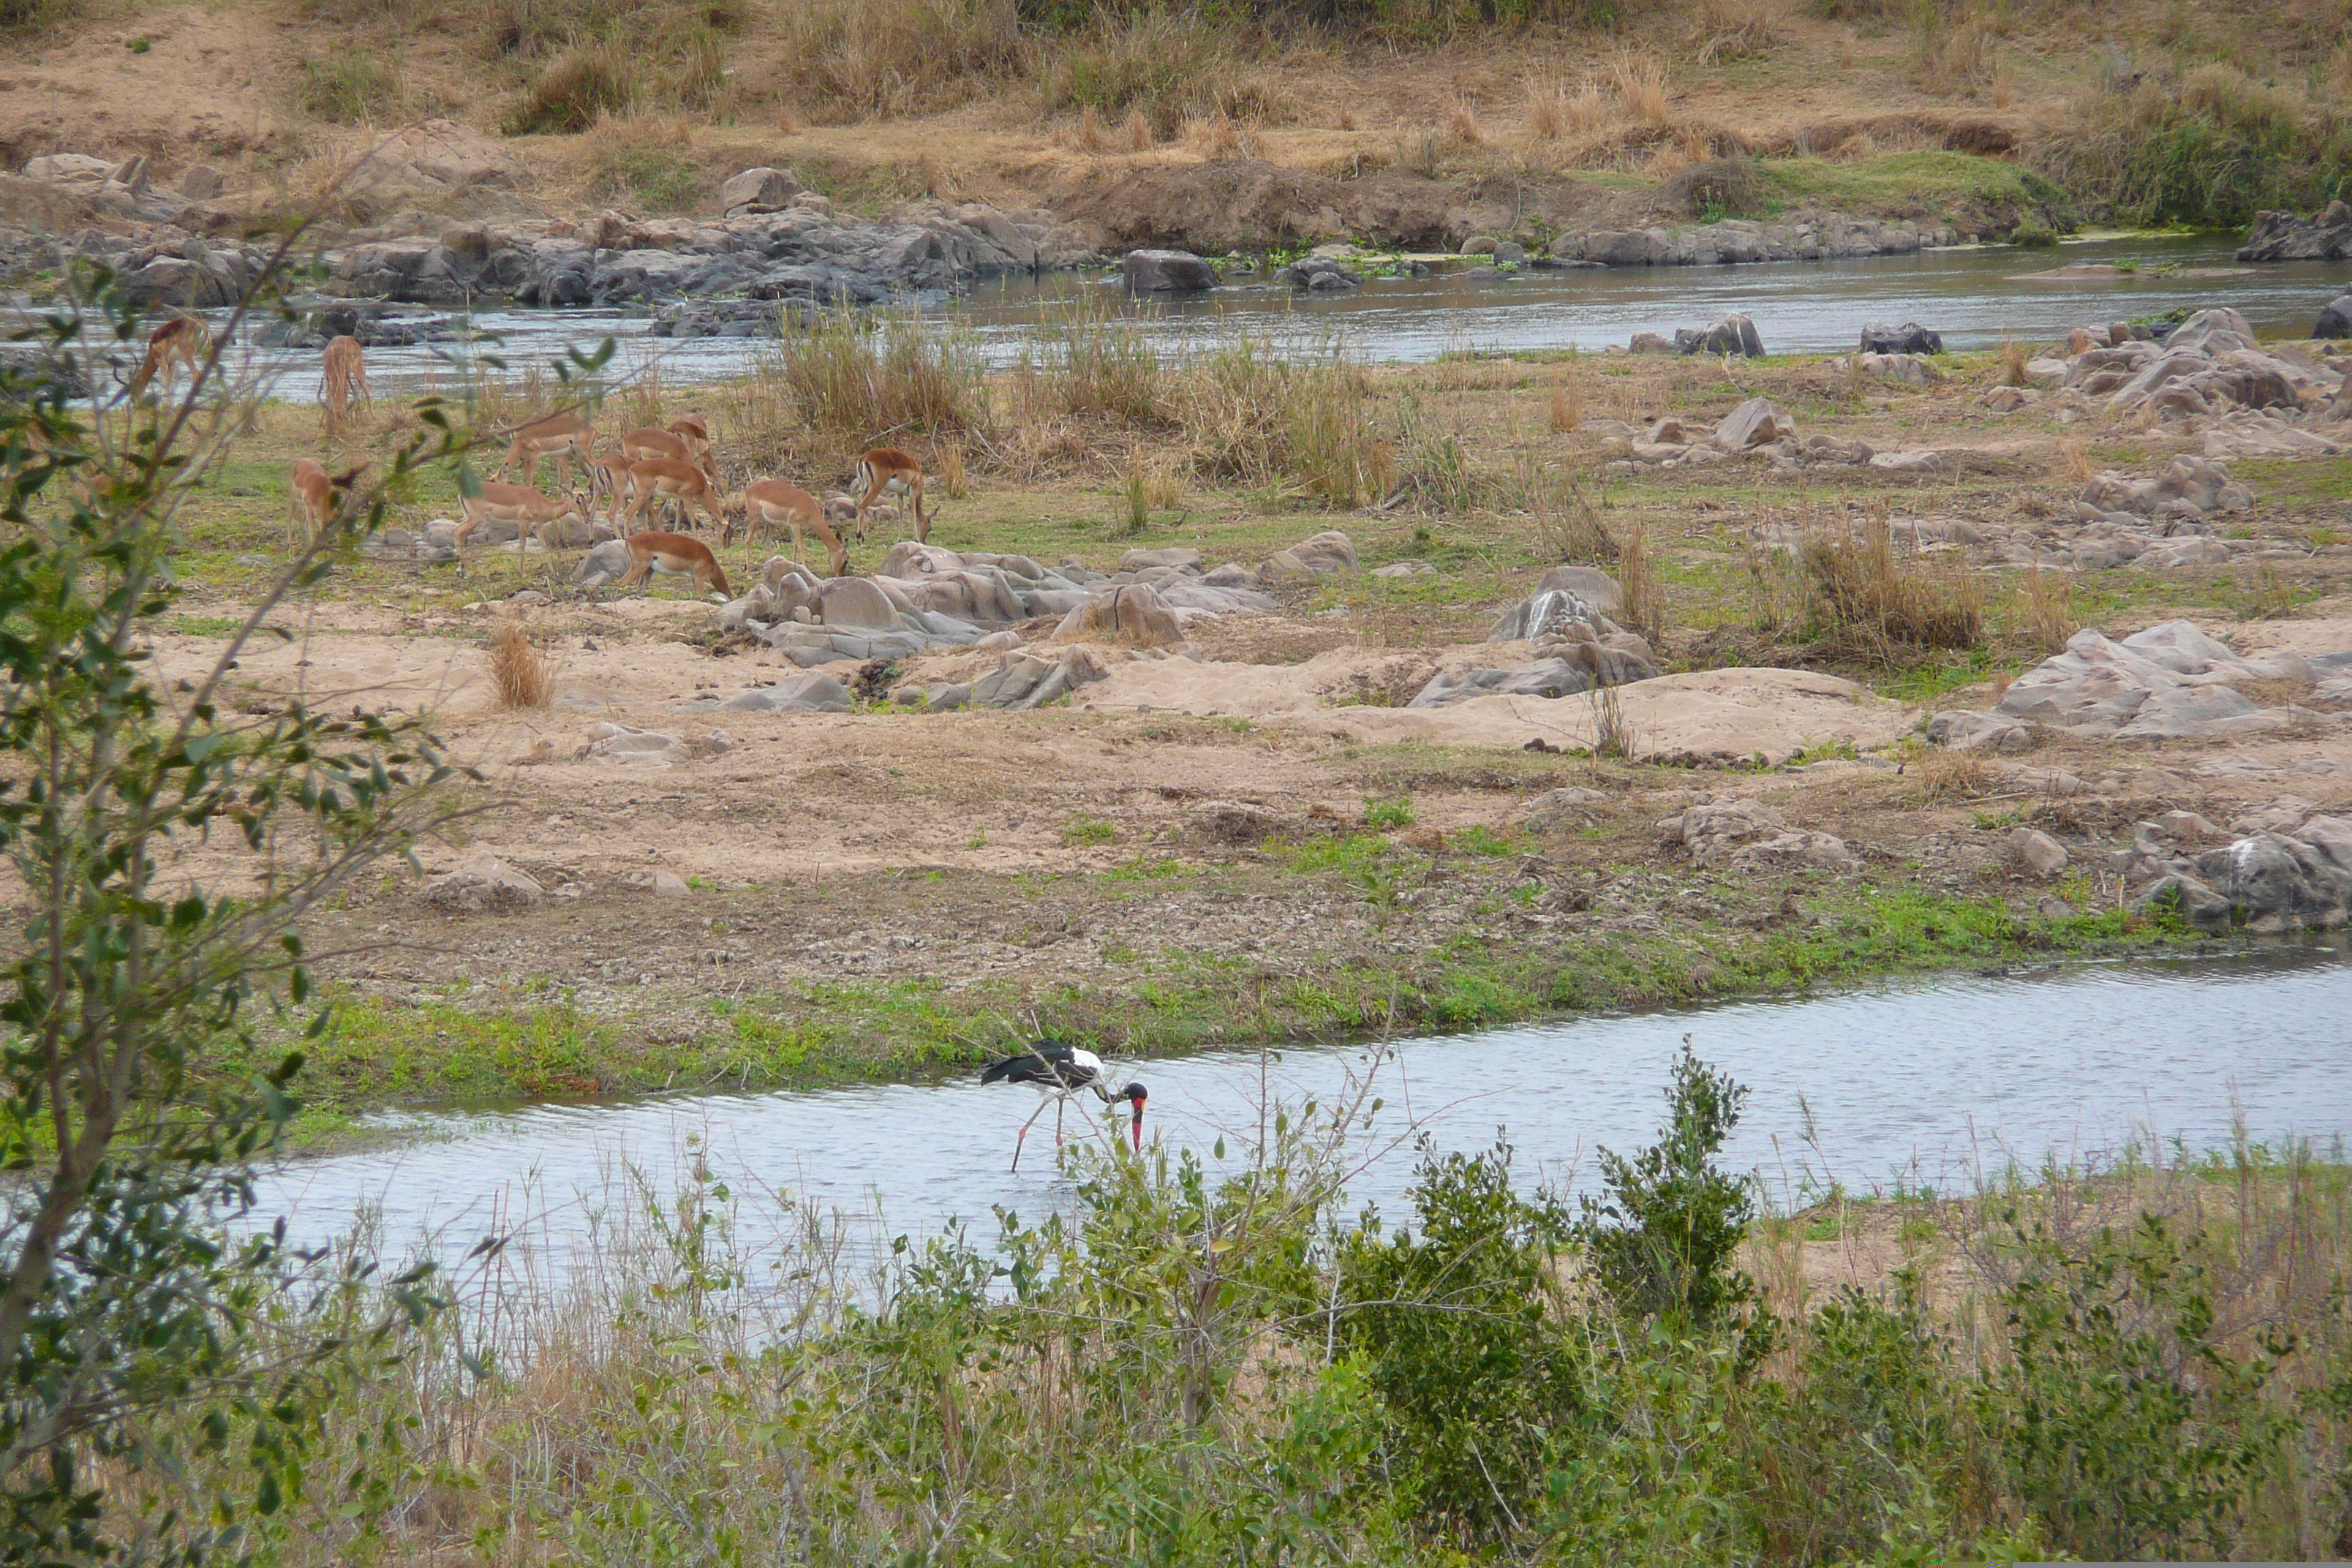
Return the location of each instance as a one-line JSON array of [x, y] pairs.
[[1219, 138], [1567, 406], [1940, 774], [2012, 362], [1641, 84], [1733, 29], [1136, 134], [521, 673], [2075, 461], [1462, 124], [1873, 607], [1087, 136], [2046, 609], [1644, 609]]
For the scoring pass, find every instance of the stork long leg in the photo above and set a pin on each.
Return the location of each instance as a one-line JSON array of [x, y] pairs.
[[1023, 1134], [1061, 1103]]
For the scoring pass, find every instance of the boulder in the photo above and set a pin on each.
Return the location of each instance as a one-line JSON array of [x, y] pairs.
[[202, 182], [2171, 681], [1322, 273], [2037, 852], [857, 603], [1133, 616], [1755, 423], [810, 692], [2270, 882], [1172, 271], [1735, 334], [670, 885], [2282, 236], [1910, 338], [1023, 680], [1912, 370], [1962, 731], [1543, 677], [420, 166], [1650, 343], [1716, 833], [757, 191], [69, 169], [2335, 319], [1331, 553], [604, 564], [1556, 603], [483, 883]]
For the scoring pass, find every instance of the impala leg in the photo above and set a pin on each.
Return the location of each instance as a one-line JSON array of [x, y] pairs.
[[1019, 1137]]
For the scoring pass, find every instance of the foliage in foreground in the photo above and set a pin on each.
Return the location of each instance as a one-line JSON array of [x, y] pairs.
[[1195, 1366]]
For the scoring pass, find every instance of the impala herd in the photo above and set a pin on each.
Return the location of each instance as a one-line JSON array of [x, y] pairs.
[[675, 465]]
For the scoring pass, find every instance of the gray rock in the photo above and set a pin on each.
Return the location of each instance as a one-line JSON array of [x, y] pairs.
[[1961, 730], [670, 885], [483, 883], [1910, 338], [2335, 319], [809, 693], [1543, 677], [2037, 852], [2269, 882], [2171, 681], [1755, 423], [1735, 334], [609, 561], [2282, 236], [1509, 254], [855, 603], [1650, 343], [1172, 271], [1551, 606], [202, 182], [1309, 272], [757, 191], [1327, 554]]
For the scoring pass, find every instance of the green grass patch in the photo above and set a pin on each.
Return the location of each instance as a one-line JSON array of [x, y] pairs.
[[1906, 181]]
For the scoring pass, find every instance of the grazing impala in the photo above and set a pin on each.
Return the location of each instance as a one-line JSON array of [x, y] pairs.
[[558, 436], [521, 505], [608, 479], [343, 379], [182, 341], [770, 506], [678, 555], [317, 495], [673, 478], [692, 429], [646, 443], [888, 468]]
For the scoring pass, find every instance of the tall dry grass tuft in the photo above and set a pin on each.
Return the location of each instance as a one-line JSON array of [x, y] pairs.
[[2075, 461], [1941, 775], [1086, 357], [1641, 84], [1645, 606], [1732, 31], [2046, 609], [2012, 362], [580, 86], [521, 673], [1137, 134], [1613, 735], [1087, 137], [1462, 124], [1870, 606], [1568, 527], [877, 59], [1567, 406], [854, 384]]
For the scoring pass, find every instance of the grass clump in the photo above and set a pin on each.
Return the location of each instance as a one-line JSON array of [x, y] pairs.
[[859, 58], [522, 675], [1868, 604], [353, 87], [578, 87], [1088, 833], [846, 382], [657, 178], [1387, 816]]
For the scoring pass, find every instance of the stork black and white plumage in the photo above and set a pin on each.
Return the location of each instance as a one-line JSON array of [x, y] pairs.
[[1057, 1070]]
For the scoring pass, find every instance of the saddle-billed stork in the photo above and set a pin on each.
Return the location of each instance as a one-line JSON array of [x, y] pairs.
[[1057, 1070]]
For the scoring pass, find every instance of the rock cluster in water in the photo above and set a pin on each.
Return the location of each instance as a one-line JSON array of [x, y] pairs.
[[1811, 237], [2284, 237]]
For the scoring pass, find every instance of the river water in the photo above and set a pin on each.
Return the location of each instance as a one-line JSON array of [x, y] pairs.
[[1974, 296], [1935, 1085]]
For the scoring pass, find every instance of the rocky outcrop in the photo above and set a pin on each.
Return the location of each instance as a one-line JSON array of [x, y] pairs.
[[1329, 553], [2207, 373], [1320, 274], [1744, 833], [2282, 236], [1134, 616], [2168, 682], [483, 883], [2335, 319], [802, 253], [2270, 883], [1758, 422], [1023, 681], [1809, 236], [1577, 645]]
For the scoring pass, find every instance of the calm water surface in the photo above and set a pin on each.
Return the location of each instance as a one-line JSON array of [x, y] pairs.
[[1974, 297], [1931, 1085]]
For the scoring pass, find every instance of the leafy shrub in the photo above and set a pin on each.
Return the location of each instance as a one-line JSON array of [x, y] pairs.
[[1385, 815], [1460, 1333], [1661, 1243]]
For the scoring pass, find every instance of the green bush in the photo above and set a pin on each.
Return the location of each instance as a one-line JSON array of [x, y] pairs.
[[1661, 1243], [1385, 815], [1462, 1336]]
